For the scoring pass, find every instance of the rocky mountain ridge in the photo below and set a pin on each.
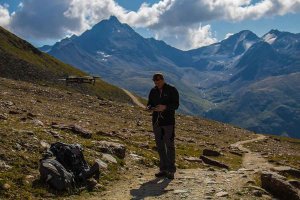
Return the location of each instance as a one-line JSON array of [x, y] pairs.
[[208, 78]]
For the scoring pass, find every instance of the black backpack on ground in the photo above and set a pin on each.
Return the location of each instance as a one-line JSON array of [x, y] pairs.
[[71, 157], [54, 174], [70, 163]]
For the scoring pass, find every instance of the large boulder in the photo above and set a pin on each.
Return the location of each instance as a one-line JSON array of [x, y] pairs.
[[279, 186], [111, 147]]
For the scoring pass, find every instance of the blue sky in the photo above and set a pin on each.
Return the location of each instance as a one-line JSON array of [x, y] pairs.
[[128, 4], [178, 23]]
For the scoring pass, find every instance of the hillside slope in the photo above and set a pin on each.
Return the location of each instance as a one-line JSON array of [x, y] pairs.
[[28, 113], [19, 60]]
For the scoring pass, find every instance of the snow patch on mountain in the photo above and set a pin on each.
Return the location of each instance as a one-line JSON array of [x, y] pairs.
[[270, 38]]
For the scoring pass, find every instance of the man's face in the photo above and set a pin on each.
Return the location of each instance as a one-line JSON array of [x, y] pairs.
[[159, 82]]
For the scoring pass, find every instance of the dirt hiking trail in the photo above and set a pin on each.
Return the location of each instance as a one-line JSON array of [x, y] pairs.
[[134, 99], [140, 183]]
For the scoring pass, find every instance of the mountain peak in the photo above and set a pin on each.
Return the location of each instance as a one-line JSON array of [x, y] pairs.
[[274, 32], [238, 43], [113, 19], [242, 35], [104, 24], [271, 36]]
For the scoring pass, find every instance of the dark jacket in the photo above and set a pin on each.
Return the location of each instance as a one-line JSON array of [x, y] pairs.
[[168, 97]]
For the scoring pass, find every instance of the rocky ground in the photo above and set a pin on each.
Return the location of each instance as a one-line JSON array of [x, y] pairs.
[[120, 135]]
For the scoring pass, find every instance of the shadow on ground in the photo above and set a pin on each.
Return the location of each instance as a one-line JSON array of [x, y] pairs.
[[155, 187]]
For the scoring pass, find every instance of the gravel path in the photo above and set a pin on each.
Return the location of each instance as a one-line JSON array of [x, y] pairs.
[[140, 183]]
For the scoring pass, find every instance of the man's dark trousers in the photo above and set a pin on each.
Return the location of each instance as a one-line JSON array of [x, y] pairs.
[[164, 138]]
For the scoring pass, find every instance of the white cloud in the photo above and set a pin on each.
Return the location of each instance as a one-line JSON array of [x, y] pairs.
[[4, 16], [228, 35], [186, 12], [45, 19], [201, 36], [54, 19], [187, 38], [88, 13]]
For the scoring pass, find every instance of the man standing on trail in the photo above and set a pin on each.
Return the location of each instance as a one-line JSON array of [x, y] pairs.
[[163, 101]]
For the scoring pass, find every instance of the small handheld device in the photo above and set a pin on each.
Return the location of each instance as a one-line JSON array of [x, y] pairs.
[[150, 107]]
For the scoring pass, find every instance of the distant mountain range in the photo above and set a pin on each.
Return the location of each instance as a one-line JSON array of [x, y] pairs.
[[245, 80]]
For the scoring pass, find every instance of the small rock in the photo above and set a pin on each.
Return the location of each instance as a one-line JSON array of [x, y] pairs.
[[251, 182], [14, 112], [102, 164], [18, 146], [139, 123], [295, 183], [257, 193], [213, 162], [38, 122], [180, 191], [211, 169], [105, 133], [54, 134], [6, 186], [4, 166], [74, 128], [222, 194], [31, 133], [210, 152], [109, 158], [8, 103], [31, 115], [29, 177], [210, 182], [144, 145], [136, 157], [3, 117], [45, 145], [236, 153], [112, 148], [192, 159]]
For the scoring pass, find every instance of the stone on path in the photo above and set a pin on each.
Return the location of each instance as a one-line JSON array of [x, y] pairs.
[[213, 162], [180, 191], [222, 194]]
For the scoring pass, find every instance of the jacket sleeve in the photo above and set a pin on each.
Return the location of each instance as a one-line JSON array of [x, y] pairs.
[[174, 101], [150, 103]]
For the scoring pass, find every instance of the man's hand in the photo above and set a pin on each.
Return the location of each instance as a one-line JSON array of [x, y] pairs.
[[160, 108], [149, 109]]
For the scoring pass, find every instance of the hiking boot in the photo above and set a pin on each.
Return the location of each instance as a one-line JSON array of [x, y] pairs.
[[170, 175], [161, 174]]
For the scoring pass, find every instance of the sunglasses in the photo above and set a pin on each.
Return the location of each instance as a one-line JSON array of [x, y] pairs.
[[155, 80]]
